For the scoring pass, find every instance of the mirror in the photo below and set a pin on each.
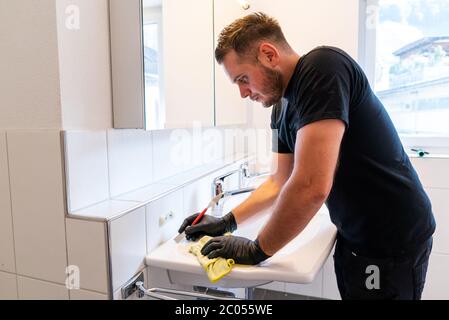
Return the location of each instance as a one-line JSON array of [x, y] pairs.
[[230, 108], [162, 63], [164, 73]]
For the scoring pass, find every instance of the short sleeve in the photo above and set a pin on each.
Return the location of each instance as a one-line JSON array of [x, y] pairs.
[[324, 92]]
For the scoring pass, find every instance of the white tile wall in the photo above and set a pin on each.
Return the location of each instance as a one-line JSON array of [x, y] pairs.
[[212, 145], [437, 281], [241, 141], [313, 289], [107, 210], [35, 164], [433, 172], [197, 195], [130, 160], [87, 249], [117, 295], [233, 140], [179, 150], [172, 152], [7, 262], [164, 216], [86, 168], [228, 141], [8, 286], [33, 289], [330, 287], [128, 246], [86, 295], [440, 208], [147, 193]]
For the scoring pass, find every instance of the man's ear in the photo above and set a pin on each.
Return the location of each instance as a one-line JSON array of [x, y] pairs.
[[268, 55]]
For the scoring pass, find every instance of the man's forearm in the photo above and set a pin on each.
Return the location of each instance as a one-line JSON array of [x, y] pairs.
[[294, 208], [260, 199]]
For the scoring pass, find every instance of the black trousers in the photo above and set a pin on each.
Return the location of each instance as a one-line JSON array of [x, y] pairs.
[[394, 278]]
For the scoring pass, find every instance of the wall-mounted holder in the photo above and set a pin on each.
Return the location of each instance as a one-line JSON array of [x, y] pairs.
[[420, 152], [169, 294], [131, 286]]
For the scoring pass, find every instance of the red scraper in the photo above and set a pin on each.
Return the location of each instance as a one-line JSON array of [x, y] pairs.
[[212, 203]]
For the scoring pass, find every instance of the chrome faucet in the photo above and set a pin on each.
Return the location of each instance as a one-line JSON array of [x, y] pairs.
[[217, 210], [217, 187]]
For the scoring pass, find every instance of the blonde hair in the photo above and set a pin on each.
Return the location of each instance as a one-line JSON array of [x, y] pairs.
[[244, 34]]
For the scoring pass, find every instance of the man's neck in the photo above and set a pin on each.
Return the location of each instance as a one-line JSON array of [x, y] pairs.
[[289, 68]]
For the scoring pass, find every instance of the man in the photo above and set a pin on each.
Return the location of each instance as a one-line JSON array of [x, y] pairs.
[[336, 145]]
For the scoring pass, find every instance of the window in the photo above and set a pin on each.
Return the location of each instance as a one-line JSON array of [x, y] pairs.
[[407, 60], [153, 64], [152, 78]]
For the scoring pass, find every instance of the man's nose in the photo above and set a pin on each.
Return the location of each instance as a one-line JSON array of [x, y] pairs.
[[244, 91]]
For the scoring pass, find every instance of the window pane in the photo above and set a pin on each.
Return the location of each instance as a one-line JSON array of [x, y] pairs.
[[153, 108], [412, 64]]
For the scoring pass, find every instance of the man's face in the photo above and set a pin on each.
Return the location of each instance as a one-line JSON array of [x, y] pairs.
[[256, 81]]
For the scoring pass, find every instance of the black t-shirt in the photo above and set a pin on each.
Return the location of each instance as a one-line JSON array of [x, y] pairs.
[[377, 201]]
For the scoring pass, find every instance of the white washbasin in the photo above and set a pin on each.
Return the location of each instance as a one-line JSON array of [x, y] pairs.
[[298, 262]]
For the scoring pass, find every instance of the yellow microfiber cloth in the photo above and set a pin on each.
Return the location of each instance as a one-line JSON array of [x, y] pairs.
[[215, 268]]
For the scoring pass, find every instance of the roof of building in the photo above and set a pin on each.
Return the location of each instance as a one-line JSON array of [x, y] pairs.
[[419, 43]]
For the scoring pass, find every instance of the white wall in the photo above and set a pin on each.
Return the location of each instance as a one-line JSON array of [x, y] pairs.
[[84, 63], [54, 77], [308, 24], [434, 175], [188, 62], [29, 75], [35, 95]]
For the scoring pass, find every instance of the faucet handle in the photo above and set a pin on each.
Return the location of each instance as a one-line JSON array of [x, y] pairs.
[[244, 169], [218, 187]]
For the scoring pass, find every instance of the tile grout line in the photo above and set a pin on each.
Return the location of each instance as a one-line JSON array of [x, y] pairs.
[[65, 150], [62, 156], [107, 225], [108, 164], [151, 138], [52, 282], [12, 216], [146, 233]]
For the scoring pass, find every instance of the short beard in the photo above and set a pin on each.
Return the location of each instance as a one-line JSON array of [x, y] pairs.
[[272, 86]]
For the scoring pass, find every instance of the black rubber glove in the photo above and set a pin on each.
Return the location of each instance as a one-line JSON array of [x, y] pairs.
[[208, 225], [242, 250]]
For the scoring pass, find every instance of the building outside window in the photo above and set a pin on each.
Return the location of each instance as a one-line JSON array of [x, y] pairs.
[[407, 58]]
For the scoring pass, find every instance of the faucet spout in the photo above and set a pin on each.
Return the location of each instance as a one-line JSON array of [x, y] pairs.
[[217, 210], [238, 191]]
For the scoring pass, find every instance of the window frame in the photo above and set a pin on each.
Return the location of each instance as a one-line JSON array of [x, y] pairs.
[[368, 17]]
